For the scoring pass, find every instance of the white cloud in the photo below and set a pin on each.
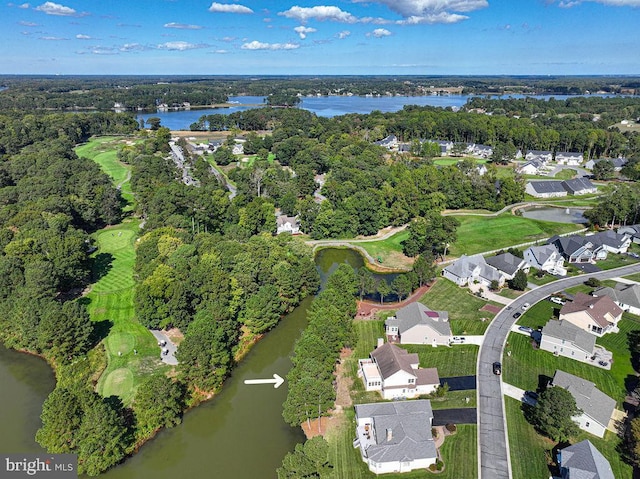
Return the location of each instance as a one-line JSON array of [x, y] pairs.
[[180, 46], [51, 8], [24, 5], [221, 52], [256, 45], [52, 39], [430, 11], [133, 47], [28, 24], [80, 36], [182, 26], [303, 31], [229, 8], [379, 33], [320, 12], [343, 34], [229, 39]]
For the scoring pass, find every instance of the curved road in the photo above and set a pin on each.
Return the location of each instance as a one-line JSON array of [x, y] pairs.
[[493, 458]]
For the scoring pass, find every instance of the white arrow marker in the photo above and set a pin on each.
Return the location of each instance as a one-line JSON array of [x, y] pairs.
[[276, 381]]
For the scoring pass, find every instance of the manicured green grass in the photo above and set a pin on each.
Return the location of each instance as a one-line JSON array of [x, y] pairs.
[[455, 161], [634, 277], [531, 452], [528, 449], [104, 151], [385, 247], [616, 261], [527, 368], [111, 299], [459, 454], [463, 307], [458, 360], [547, 278], [510, 293], [565, 174], [618, 344], [568, 201], [478, 234]]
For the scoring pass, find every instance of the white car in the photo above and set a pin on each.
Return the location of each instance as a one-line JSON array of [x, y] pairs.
[[525, 306], [555, 299]]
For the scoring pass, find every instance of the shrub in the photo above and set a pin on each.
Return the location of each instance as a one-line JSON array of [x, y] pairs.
[[593, 282], [451, 427]]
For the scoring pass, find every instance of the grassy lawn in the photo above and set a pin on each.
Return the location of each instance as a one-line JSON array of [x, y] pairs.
[[463, 307], [111, 301], [510, 293], [388, 250], [527, 368], [132, 352], [477, 234], [458, 360], [547, 278], [530, 452], [616, 261], [104, 151], [567, 201], [528, 449], [634, 277], [455, 161], [348, 463], [565, 174]]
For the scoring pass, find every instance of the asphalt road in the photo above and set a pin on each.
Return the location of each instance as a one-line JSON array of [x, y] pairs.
[[494, 461]]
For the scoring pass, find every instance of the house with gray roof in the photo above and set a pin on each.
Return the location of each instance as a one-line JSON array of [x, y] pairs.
[[583, 461], [287, 224], [539, 155], [632, 231], [545, 188], [417, 324], [610, 241], [627, 296], [390, 142], [395, 436], [395, 373], [617, 163], [579, 186], [597, 408], [565, 339], [507, 264], [579, 249], [471, 269], [570, 158], [546, 258], [532, 167]]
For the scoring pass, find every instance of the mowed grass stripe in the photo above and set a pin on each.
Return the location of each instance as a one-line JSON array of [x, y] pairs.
[[132, 350]]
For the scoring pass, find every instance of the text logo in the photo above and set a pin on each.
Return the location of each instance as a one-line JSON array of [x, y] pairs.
[[49, 466]]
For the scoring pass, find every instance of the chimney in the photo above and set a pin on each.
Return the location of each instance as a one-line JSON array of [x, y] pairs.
[[389, 434], [380, 342]]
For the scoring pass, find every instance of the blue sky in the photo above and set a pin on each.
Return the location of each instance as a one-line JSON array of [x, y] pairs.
[[391, 37]]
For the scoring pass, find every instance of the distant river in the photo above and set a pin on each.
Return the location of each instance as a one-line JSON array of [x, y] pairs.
[[326, 106]]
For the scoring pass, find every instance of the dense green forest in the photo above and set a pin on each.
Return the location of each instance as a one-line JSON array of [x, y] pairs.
[[147, 92]]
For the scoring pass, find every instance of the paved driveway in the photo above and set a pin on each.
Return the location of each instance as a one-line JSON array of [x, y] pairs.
[[460, 383], [442, 417], [494, 461], [170, 357]]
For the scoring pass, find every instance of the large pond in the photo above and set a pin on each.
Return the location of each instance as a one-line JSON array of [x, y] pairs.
[[557, 215], [240, 434]]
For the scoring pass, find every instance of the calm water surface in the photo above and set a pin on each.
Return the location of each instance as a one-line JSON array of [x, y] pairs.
[[557, 215], [240, 434]]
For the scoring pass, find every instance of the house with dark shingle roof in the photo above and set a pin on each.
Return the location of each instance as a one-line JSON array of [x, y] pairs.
[[579, 249], [395, 436], [627, 296], [583, 461], [579, 186], [597, 316], [508, 264], [632, 231], [539, 155], [597, 408], [417, 324], [395, 373], [545, 189], [566, 339], [610, 241]]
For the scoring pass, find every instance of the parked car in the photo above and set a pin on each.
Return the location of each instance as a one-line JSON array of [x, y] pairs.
[[497, 368], [526, 329], [458, 339], [517, 315], [525, 306], [603, 363], [555, 299]]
